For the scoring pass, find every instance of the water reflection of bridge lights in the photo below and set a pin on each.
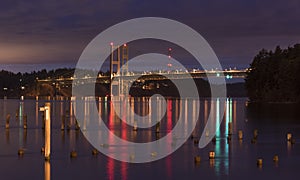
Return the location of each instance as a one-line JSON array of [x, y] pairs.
[[221, 146], [174, 106]]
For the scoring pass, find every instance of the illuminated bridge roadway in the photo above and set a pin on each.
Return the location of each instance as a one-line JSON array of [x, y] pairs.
[[130, 76]]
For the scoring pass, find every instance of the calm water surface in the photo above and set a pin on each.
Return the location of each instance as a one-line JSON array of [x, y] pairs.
[[235, 159]]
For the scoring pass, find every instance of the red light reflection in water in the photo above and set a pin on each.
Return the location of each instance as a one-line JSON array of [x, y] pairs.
[[169, 116], [124, 137], [110, 168], [124, 170], [169, 167], [124, 114], [111, 164], [111, 116]]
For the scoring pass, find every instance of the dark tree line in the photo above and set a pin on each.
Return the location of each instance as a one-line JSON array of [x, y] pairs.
[[17, 84], [11, 83], [274, 76]]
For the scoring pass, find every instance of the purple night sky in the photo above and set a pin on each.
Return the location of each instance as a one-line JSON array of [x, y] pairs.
[[37, 34]]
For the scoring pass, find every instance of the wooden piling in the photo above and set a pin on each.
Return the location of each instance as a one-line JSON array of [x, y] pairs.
[[21, 152], [43, 150], [77, 127], [47, 113], [95, 152], [211, 155], [197, 159], [214, 139], [157, 129], [289, 136], [25, 121], [7, 121], [73, 154], [276, 158], [255, 134], [259, 162], [62, 122], [135, 126], [17, 114], [47, 131], [240, 135]]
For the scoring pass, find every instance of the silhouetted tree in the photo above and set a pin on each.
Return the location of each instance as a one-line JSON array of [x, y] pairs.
[[273, 76]]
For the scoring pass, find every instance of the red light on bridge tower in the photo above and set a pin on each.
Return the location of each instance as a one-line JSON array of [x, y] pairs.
[[169, 55]]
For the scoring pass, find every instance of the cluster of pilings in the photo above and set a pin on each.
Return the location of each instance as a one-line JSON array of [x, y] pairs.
[[65, 119], [7, 121], [46, 126], [259, 161]]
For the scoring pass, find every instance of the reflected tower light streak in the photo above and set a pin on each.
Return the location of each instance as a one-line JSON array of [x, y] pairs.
[[110, 169], [185, 113], [149, 104], [100, 111], [124, 167], [217, 163], [124, 116], [86, 113], [169, 116], [47, 170], [194, 116], [219, 143], [227, 113], [21, 133], [213, 118], [234, 115], [205, 111], [230, 110]]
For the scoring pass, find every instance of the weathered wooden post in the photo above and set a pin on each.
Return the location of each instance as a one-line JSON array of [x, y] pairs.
[[197, 159], [255, 133], [7, 135], [7, 121], [240, 135], [17, 114], [157, 127], [259, 162], [47, 113], [25, 121], [276, 158], [211, 155], [62, 122], [77, 126], [289, 137], [135, 126]]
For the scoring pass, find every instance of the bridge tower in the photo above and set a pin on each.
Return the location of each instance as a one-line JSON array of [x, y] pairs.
[[118, 59], [124, 60], [124, 70]]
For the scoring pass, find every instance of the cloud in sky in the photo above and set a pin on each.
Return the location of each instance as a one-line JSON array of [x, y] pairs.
[[39, 31]]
